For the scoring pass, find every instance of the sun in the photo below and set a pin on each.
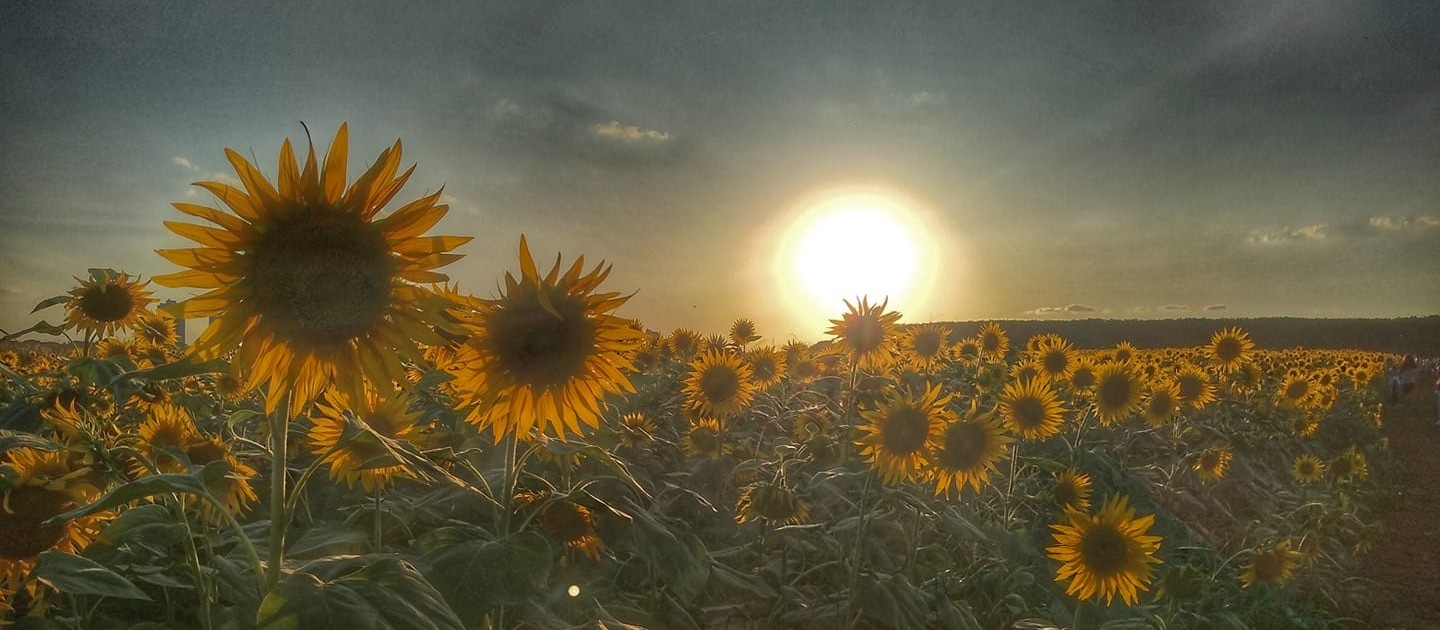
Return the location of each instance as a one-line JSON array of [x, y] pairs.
[[856, 244]]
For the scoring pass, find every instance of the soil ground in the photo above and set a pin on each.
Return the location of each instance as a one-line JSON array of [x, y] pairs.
[[1406, 561]]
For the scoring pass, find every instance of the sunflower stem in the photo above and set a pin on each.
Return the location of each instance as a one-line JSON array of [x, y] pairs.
[[859, 545], [379, 533], [279, 517]]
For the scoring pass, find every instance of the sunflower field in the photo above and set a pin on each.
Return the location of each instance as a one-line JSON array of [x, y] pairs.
[[353, 441]]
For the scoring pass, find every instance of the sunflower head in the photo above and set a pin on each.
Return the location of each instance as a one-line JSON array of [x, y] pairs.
[[1082, 378], [1274, 565], [1308, 469], [902, 430], [865, 331], [704, 439], [1054, 356], [771, 503], [742, 332], [636, 430], [966, 351], [720, 385], [1072, 490], [1117, 392], [42, 485], [926, 348], [1230, 347], [1031, 409], [106, 303], [994, 343], [353, 454], [1194, 388], [1295, 392], [767, 366], [1213, 463], [1162, 404], [1106, 554], [157, 329], [1124, 352], [966, 452]]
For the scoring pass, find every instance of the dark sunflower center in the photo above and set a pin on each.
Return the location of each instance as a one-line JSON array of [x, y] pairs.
[[1105, 550], [1083, 379], [1115, 391], [763, 368], [204, 452], [566, 521], [928, 343], [905, 431], [990, 342], [539, 347], [965, 446], [1191, 387], [322, 277], [106, 303], [1066, 493], [1296, 390], [1307, 468], [1269, 566], [1161, 405], [1228, 349], [1028, 412], [865, 333], [705, 440], [743, 332], [22, 535], [719, 384], [776, 504], [1122, 356], [1056, 362], [1210, 461]]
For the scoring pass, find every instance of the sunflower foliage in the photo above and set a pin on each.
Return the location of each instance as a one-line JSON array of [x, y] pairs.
[[393, 452]]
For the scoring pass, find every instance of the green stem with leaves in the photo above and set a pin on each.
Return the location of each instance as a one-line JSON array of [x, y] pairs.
[[279, 516]]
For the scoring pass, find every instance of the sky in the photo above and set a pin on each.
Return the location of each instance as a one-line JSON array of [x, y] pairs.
[[1230, 158]]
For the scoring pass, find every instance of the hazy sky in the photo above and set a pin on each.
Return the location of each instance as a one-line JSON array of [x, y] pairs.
[[1118, 159]]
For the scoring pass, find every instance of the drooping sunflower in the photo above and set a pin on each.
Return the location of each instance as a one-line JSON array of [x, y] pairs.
[[925, 348], [742, 332], [1105, 554], [994, 343], [157, 329], [1213, 463], [902, 430], [1271, 566], [720, 385], [809, 426], [704, 439], [1230, 348], [636, 430], [1031, 409], [1072, 490], [770, 502], [233, 490], [1350, 464], [42, 485], [865, 331], [546, 353], [966, 452], [1162, 404], [1117, 393], [573, 525], [358, 455], [1194, 388], [767, 366], [106, 303], [1308, 469], [1055, 356], [305, 282]]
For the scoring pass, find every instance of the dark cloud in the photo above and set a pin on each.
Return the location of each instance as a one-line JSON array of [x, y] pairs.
[[1175, 308], [1217, 307]]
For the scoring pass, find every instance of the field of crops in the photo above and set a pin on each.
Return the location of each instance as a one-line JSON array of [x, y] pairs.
[[354, 441]]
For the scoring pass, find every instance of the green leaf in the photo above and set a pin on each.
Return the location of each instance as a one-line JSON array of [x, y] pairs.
[[95, 371], [141, 488], [181, 369], [151, 523], [49, 302], [351, 592], [478, 576], [681, 560], [17, 439], [47, 328], [81, 576]]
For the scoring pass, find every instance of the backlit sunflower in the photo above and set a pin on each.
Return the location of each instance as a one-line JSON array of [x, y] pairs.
[[233, 490], [1031, 409], [1082, 378], [1194, 388], [925, 348], [1055, 356], [683, 342], [167, 427], [1072, 490], [636, 430], [966, 452], [1105, 554], [865, 332], [1230, 348], [770, 502], [358, 455], [809, 426], [157, 329], [1271, 566], [704, 440], [107, 303], [1308, 469], [1213, 463], [305, 282], [1162, 404], [994, 343], [43, 485], [767, 366], [546, 353], [742, 333], [720, 385], [1124, 352], [572, 525], [966, 351], [901, 431], [1117, 393]]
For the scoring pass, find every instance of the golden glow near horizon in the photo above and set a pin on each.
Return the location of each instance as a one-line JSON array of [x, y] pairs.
[[845, 245]]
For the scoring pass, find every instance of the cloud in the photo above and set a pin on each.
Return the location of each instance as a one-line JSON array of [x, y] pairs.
[[1217, 307], [1175, 307], [1069, 309], [615, 130], [184, 163], [925, 97], [1397, 223], [1141, 309], [1283, 235]]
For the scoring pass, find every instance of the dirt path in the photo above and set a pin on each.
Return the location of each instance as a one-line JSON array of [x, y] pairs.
[[1406, 561]]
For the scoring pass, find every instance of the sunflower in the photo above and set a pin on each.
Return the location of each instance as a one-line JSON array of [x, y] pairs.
[[1271, 566], [1213, 463], [1308, 469], [1124, 352], [1195, 389], [742, 332], [1230, 348], [1247, 377], [157, 329], [306, 283], [1162, 404], [1027, 369], [770, 502], [167, 428], [865, 331], [1295, 392], [767, 366], [1105, 554], [636, 430], [925, 348], [1072, 490], [1304, 425], [1082, 378], [715, 343], [1350, 464], [42, 486], [116, 349], [358, 455], [966, 351], [233, 490], [809, 426], [1055, 356], [1031, 409], [720, 385], [704, 440], [108, 302], [901, 430], [683, 342], [994, 343], [1117, 393], [801, 370], [546, 353], [966, 452], [568, 522]]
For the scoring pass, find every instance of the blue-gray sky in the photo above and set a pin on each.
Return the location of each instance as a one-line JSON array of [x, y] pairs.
[[1120, 159]]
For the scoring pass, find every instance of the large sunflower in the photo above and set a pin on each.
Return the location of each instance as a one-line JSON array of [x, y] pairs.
[[865, 331], [305, 282], [1105, 554], [1055, 356], [994, 343], [42, 485], [926, 348], [1271, 566], [360, 457], [1230, 347], [1117, 393], [767, 366], [720, 385], [107, 303], [966, 452], [1032, 409], [902, 430], [546, 353]]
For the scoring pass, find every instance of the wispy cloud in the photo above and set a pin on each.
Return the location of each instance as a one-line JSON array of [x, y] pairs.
[[1069, 309], [1175, 308], [1217, 307], [1385, 223], [184, 163], [614, 130], [1283, 235]]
